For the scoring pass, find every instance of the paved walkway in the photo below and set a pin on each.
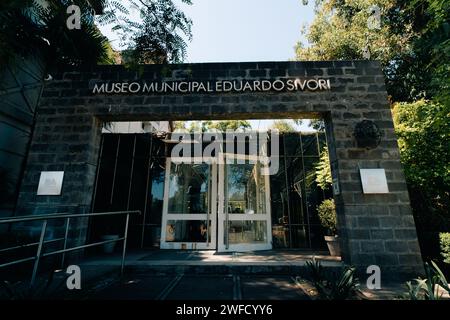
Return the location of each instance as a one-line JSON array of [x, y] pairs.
[[211, 257], [208, 275], [202, 287]]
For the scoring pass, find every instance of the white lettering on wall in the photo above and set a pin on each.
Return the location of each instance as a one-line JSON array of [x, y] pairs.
[[212, 86]]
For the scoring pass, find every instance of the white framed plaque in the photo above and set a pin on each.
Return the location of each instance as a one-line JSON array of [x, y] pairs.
[[374, 181], [50, 183]]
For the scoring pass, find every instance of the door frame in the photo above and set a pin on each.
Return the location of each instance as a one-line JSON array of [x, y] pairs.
[[223, 216], [210, 216]]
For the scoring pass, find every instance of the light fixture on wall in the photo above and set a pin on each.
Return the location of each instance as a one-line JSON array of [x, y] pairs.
[[367, 134]]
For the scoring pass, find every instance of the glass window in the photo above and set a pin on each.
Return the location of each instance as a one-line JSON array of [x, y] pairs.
[[155, 203], [246, 232], [246, 189], [280, 236], [292, 144], [110, 145], [278, 198], [300, 236], [309, 144], [317, 240], [322, 140], [186, 231], [142, 148], [188, 188], [126, 145]]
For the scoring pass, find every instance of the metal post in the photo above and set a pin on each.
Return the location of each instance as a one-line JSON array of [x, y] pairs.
[[209, 204], [124, 245], [66, 234], [227, 213], [38, 253]]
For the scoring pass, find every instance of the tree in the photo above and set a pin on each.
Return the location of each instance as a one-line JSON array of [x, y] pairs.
[[156, 36], [423, 132], [283, 126], [30, 29], [413, 46], [412, 38]]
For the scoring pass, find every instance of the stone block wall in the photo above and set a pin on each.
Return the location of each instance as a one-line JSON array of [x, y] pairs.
[[374, 229]]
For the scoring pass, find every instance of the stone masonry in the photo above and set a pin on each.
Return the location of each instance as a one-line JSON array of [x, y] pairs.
[[374, 229]]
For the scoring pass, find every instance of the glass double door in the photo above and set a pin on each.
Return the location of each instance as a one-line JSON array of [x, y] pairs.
[[222, 205]]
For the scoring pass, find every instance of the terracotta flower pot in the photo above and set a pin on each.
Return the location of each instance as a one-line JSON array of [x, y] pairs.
[[333, 245]]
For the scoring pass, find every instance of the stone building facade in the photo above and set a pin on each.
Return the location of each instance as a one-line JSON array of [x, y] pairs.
[[374, 228]]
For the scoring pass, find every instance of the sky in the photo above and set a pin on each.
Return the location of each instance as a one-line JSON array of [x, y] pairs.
[[246, 30], [242, 30]]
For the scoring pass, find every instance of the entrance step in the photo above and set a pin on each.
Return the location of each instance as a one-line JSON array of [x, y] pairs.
[[211, 262], [225, 269]]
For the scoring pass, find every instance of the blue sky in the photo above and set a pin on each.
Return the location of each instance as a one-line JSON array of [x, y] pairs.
[[243, 30], [246, 30]]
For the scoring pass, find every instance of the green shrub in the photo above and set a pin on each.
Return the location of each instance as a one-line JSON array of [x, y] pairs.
[[334, 286], [327, 215], [445, 246], [428, 288]]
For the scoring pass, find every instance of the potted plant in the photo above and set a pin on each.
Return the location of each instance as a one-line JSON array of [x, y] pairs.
[[328, 219]]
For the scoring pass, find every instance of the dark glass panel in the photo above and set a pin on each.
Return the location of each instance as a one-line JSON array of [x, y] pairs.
[[292, 144], [155, 202], [142, 145], [126, 145], [122, 183], [152, 236], [104, 185], [317, 237], [158, 147], [279, 139], [322, 140], [313, 194], [278, 196], [300, 236], [296, 190], [138, 189], [310, 145], [110, 144]]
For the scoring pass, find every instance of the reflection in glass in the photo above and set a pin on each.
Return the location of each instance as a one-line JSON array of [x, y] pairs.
[[246, 232], [310, 145], [246, 189], [188, 188], [300, 236], [292, 144], [155, 207], [278, 197], [280, 236], [186, 231]]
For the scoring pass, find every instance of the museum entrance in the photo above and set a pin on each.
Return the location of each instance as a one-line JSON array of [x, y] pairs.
[[223, 204], [226, 201]]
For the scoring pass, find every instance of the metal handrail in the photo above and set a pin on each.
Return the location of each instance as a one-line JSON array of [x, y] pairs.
[[68, 217], [29, 245]]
